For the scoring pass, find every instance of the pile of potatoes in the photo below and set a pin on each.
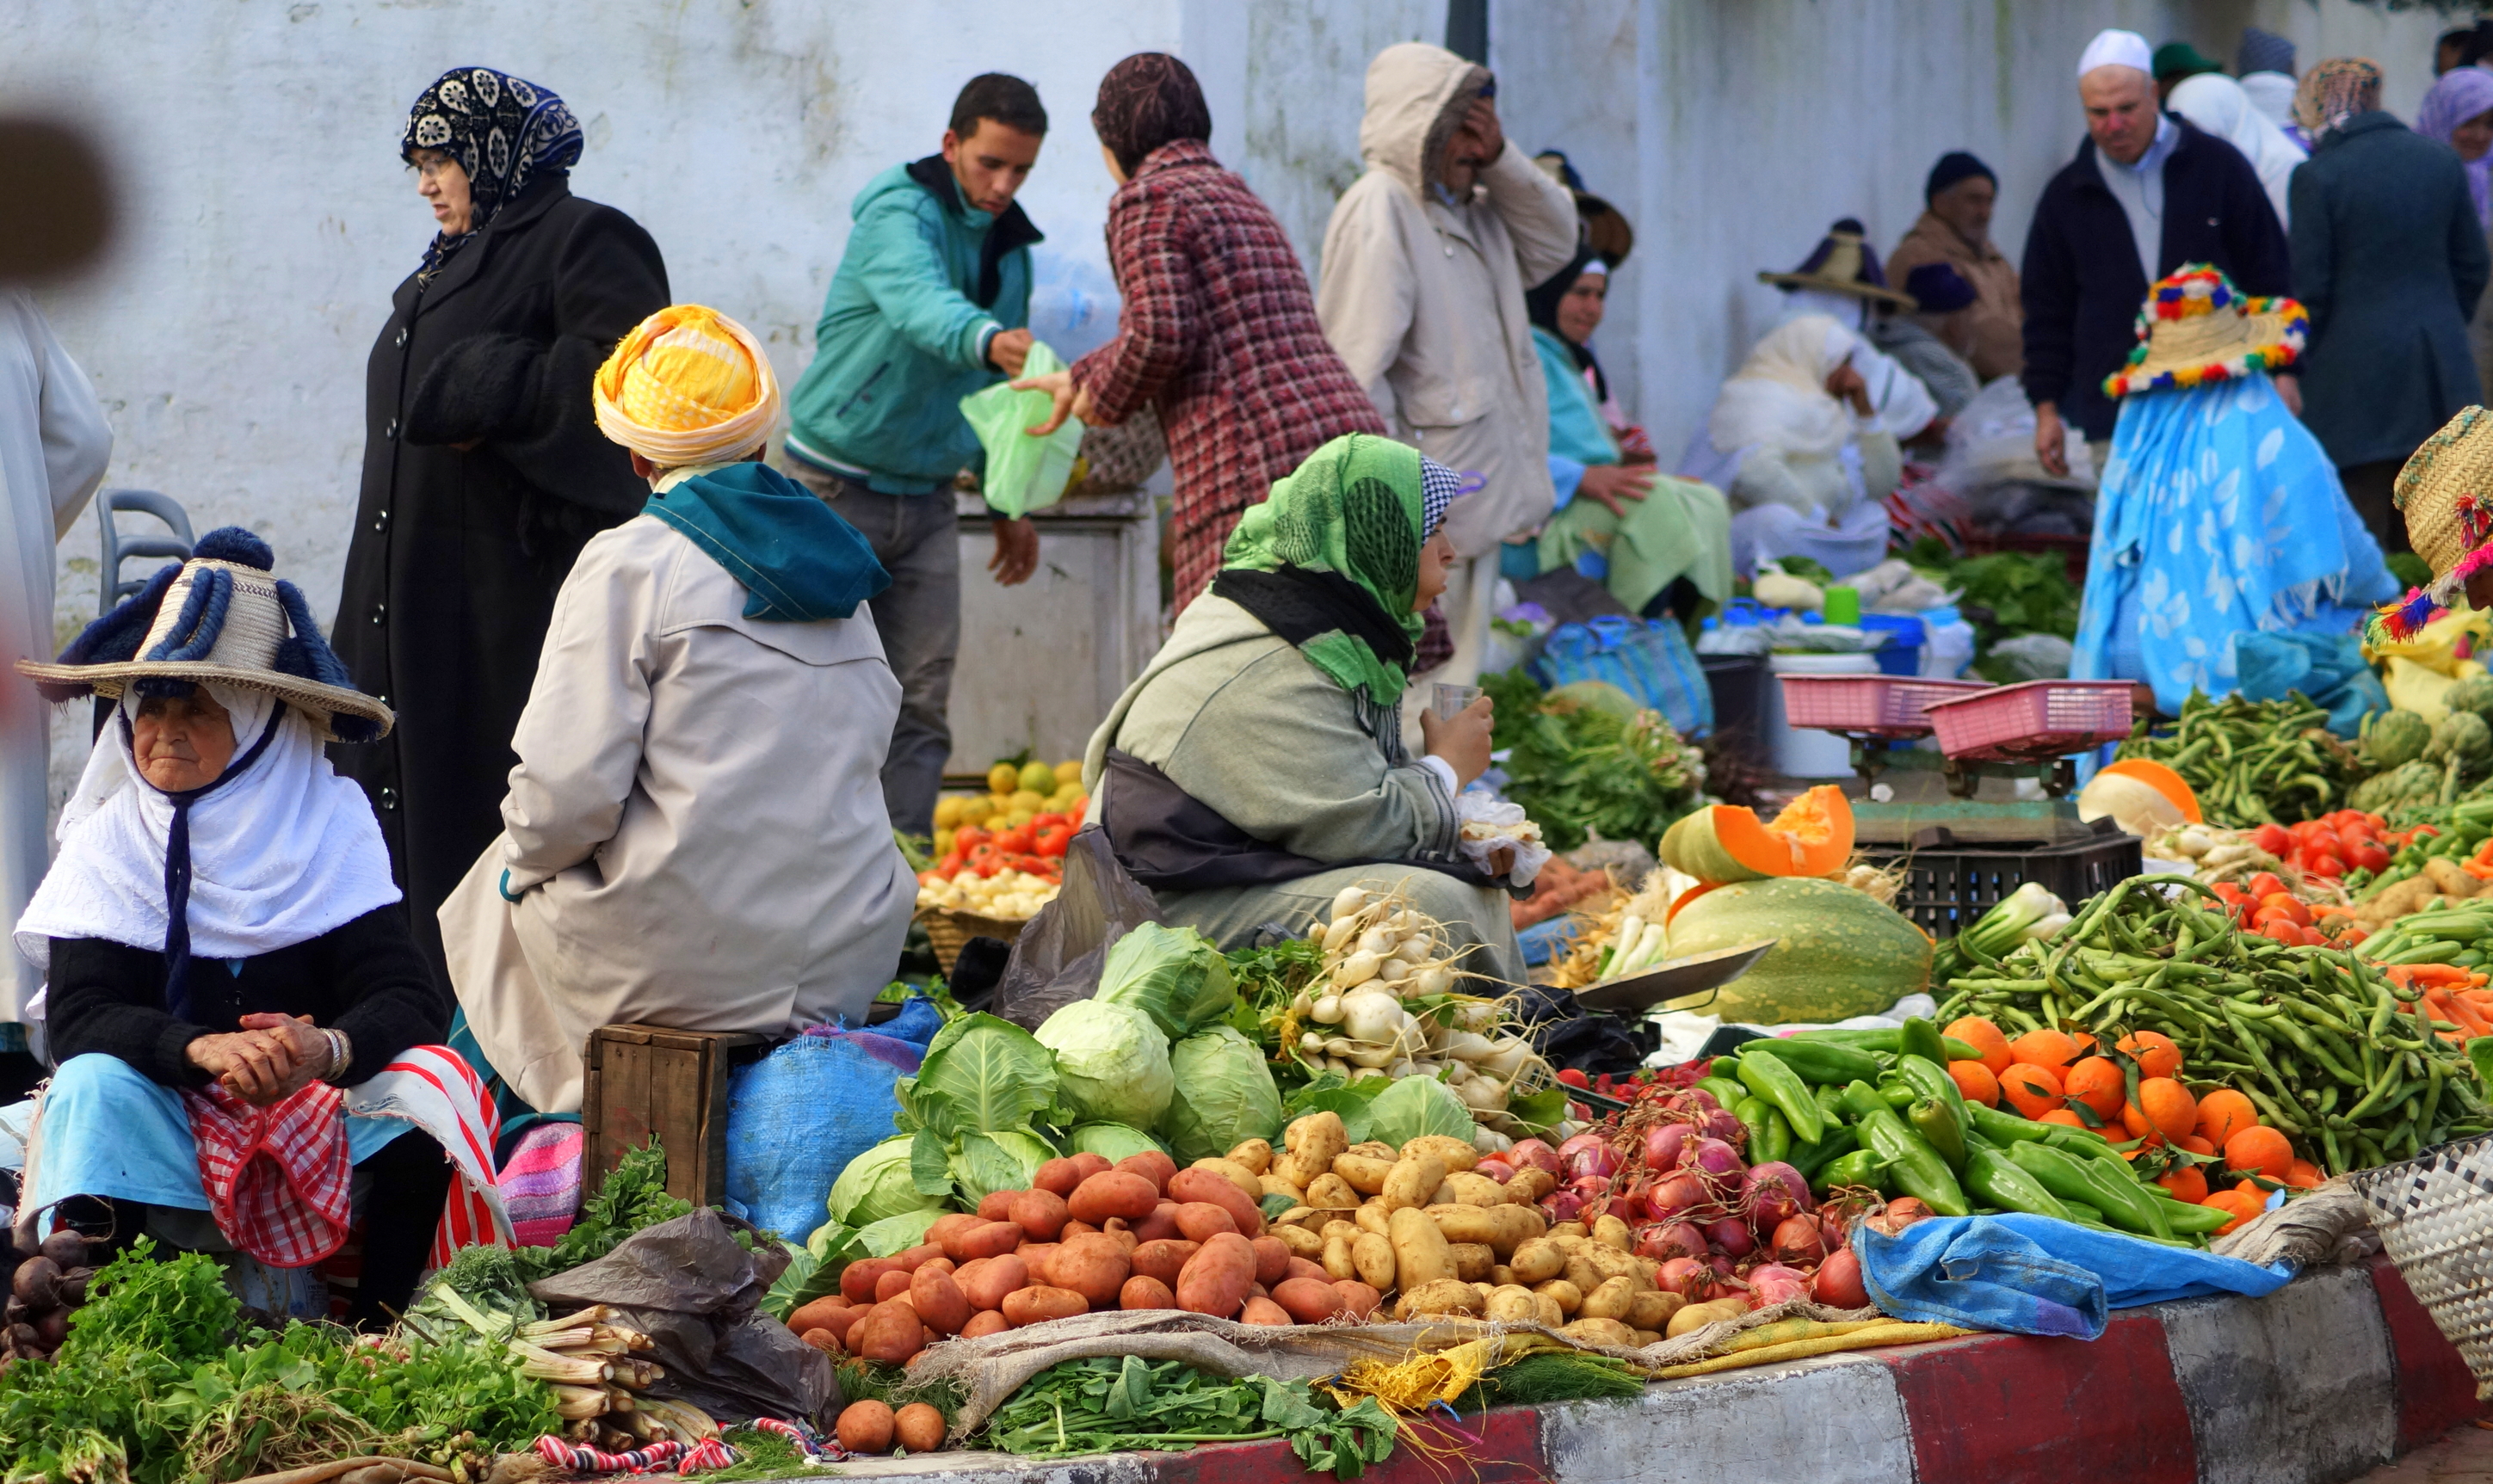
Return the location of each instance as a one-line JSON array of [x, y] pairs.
[[1367, 1223]]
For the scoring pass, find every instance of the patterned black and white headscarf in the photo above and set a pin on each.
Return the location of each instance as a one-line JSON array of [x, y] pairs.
[[1439, 487], [503, 130]]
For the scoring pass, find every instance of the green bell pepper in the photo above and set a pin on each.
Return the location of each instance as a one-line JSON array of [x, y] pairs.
[[1816, 1061], [1928, 1078], [2123, 1202], [1858, 1168], [1780, 1086], [1930, 1117], [1861, 1100], [1998, 1179], [1810, 1158], [1725, 1091], [1916, 1167]]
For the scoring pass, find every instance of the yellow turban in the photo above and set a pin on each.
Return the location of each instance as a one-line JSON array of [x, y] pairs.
[[688, 385]]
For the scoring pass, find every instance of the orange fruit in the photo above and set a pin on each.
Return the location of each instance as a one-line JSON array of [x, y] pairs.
[[2096, 1083], [2302, 1175], [1986, 1040], [2086, 1042], [2166, 1105], [2223, 1114], [2186, 1182], [2242, 1207], [2032, 1090], [2066, 1119], [2194, 1144], [2045, 1048], [1975, 1082], [2260, 1150], [2157, 1055]]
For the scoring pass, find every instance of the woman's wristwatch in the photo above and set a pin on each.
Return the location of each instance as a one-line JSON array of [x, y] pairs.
[[342, 1054]]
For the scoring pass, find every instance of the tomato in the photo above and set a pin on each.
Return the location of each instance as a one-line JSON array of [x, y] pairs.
[[1053, 839], [2273, 838], [2287, 903], [2378, 822], [1014, 842], [2264, 885], [2354, 934], [2227, 892], [950, 866], [2323, 842], [2327, 867], [2281, 929], [987, 867], [2370, 857], [2313, 937]]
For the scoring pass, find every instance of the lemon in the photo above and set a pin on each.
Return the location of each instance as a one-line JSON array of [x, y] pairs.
[[1028, 801], [943, 844], [975, 809], [1064, 798], [947, 811], [1019, 817], [1068, 773], [1039, 779], [1002, 778]]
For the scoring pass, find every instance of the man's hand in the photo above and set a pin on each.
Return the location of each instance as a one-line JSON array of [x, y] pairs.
[[2289, 391], [1008, 349], [1071, 401], [1610, 483], [2051, 440], [1845, 384], [1016, 551], [1483, 138], [1462, 740]]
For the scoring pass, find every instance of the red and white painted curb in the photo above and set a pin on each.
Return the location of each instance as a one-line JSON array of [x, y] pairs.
[[2318, 1382]]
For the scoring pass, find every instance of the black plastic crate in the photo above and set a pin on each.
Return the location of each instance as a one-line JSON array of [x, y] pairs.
[[1950, 883]]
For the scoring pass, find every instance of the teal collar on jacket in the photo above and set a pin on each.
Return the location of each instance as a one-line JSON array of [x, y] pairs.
[[798, 562], [1002, 234]]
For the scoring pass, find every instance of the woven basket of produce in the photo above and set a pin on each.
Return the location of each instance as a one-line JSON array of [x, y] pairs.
[[2435, 1216], [948, 930]]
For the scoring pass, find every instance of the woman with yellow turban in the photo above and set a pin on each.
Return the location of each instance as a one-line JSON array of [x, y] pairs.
[[695, 834]]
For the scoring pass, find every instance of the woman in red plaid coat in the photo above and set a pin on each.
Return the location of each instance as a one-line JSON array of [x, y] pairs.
[[1219, 329]]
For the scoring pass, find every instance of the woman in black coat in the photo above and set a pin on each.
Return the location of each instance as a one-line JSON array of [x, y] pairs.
[[484, 473]]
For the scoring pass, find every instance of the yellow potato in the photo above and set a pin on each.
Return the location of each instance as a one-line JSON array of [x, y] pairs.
[[1699, 1316], [1508, 1305], [1500, 1228], [1653, 1310], [1337, 1260], [1580, 1270], [1571, 1228], [1473, 1260], [1454, 1153], [1330, 1192], [1501, 1276], [1610, 1231], [1612, 1300], [1372, 1217], [1372, 1257], [1442, 1297], [1275, 1185], [1412, 1182], [1235, 1174], [1420, 1253], [1301, 1242], [1364, 1173], [1538, 1262], [1376, 1149], [1311, 1145], [1550, 1316], [1465, 1189], [1566, 1295], [1600, 1332], [1255, 1156], [1645, 1337], [1530, 1185]]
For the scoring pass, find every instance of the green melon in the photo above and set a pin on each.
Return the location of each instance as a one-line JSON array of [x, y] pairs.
[[1838, 953]]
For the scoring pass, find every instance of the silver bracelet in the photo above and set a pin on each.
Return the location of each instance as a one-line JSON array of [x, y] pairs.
[[342, 1054]]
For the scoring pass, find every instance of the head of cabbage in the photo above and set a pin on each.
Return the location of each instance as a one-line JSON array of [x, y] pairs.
[[876, 1184], [1111, 1142], [1224, 1095], [1112, 1063], [1415, 1106], [1174, 975]]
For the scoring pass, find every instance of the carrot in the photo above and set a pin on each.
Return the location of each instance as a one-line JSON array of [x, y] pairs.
[[2465, 1016], [2431, 973]]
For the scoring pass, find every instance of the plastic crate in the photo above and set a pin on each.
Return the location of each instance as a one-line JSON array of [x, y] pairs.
[[1871, 705], [2036, 720], [1949, 884]]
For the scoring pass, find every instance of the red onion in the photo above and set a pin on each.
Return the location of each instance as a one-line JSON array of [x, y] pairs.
[[1834, 1233], [1662, 1144], [1776, 1192], [1562, 1205], [1685, 1277], [1774, 1284], [1593, 1161], [1726, 1270], [1534, 1153], [1496, 1169], [1590, 1186], [1720, 1124], [1676, 1195], [1796, 1242], [1732, 1236], [1839, 1284], [1665, 1240], [1714, 1158], [1695, 1100]]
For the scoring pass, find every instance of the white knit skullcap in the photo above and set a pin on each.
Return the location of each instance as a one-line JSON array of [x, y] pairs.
[[2118, 48]]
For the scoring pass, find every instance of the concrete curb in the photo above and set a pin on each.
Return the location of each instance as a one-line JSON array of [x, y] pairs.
[[2320, 1381]]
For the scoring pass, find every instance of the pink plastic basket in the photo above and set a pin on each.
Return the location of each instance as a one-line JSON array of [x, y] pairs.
[[1868, 705], [2038, 720]]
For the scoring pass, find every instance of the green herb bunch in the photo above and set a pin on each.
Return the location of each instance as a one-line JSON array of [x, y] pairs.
[[1107, 1404]]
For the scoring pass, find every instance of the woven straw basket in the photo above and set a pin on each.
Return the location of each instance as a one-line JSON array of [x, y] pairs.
[[2435, 1216], [947, 931]]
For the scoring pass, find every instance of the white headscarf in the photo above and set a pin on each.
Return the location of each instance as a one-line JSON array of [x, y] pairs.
[[2272, 95], [282, 851], [2217, 105], [1778, 398]]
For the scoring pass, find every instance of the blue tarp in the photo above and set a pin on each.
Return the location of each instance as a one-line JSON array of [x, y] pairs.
[[797, 1117], [2034, 1275]]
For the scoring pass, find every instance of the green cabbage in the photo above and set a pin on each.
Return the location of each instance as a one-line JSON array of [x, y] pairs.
[[1112, 1063], [1415, 1106], [1224, 1095], [980, 1075], [897, 1234], [1007, 1159], [1111, 1142], [876, 1184], [1172, 974]]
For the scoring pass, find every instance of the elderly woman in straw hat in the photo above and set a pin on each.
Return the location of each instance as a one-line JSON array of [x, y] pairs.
[[225, 950], [695, 835], [2219, 517]]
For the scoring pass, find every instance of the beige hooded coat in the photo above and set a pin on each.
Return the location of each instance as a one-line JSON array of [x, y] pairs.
[[1425, 299], [695, 832]]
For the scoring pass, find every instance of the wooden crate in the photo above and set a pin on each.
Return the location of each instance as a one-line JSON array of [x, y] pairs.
[[646, 1080]]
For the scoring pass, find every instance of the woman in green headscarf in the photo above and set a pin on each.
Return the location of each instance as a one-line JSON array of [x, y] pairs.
[[1257, 767]]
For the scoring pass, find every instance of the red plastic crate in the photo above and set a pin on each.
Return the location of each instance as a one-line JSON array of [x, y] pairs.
[[1869, 705], [2036, 720]]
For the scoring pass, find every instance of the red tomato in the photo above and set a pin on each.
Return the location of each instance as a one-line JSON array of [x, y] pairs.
[[1052, 839], [2281, 929], [968, 834], [2313, 937], [2288, 904], [1575, 1078], [2370, 857], [2354, 934], [2264, 885], [987, 867], [2323, 842], [2378, 822], [2273, 838], [2329, 867], [950, 866], [1014, 842], [2227, 892]]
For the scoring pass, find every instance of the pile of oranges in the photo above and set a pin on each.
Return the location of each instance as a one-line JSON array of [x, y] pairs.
[[2054, 1076]]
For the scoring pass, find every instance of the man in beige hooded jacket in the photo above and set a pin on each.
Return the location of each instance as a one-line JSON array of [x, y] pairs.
[[1424, 266]]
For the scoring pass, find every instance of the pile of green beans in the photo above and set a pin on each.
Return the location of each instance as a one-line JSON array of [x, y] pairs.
[[2252, 761], [2458, 934], [2321, 1042]]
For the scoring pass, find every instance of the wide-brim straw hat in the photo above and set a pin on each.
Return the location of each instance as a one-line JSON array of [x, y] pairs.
[[2196, 326], [1844, 263], [2445, 494], [220, 618]]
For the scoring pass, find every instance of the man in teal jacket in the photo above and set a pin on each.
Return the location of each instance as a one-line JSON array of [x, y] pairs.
[[930, 304]]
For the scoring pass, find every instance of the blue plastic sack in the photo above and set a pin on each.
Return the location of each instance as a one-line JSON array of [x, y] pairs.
[[2033, 1275], [797, 1117], [1649, 659]]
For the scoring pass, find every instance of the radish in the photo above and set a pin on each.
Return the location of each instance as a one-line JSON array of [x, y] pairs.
[[1839, 1284]]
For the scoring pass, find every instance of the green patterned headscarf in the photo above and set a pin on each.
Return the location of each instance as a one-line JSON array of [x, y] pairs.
[[1331, 561]]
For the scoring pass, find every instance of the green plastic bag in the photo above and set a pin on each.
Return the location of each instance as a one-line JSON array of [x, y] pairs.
[[1023, 473]]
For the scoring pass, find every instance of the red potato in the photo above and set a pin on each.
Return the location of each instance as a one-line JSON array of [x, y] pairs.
[[919, 1256], [1165, 1260], [891, 1284], [1160, 1225], [865, 1427], [1093, 1266], [891, 1333], [946, 1226], [1035, 1256], [986, 1288], [919, 1427], [1089, 1164], [1199, 1219], [1258, 1290], [1145, 1292], [986, 1239], [1152, 1166], [1301, 1267], [992, 1205], [1309, 1300], [939, 1301], [1058, 1176], [986, 1321], [1113, 1193], [1039, 1213], [1122, 1234], [1263, 1311], [940, 1264], [857, 1279], [1073, 1229], [1358, 1298], [825, 1341], [839, 1321], [812, 1316], [1215, 1280], [1210, 1185], [1038, 1305], [1272, 1261]]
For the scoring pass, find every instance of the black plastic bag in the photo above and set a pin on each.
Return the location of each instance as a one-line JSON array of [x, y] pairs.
[[1056, 961], [1568, 1035], [693, 1290]]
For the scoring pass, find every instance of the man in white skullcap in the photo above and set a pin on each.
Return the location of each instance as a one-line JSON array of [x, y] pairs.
[[2146, 193]]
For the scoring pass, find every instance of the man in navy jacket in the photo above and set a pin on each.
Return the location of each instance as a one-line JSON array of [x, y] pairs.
[[2146, 193]]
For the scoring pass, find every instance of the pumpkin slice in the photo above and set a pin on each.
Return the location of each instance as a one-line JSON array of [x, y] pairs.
[[1813, 836], [2164, 781], [2141, 801]]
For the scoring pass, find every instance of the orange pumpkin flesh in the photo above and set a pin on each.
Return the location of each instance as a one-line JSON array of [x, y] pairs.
[[1813, 836]]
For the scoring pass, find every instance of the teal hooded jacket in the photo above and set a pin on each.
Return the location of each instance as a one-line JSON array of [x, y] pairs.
[[926, 279]]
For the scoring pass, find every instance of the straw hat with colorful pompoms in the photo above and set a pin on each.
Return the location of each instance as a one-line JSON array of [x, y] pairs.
[[2445, 494], [2197, 327]]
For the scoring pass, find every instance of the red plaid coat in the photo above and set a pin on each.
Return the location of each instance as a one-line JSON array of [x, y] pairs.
[[1220, 332]]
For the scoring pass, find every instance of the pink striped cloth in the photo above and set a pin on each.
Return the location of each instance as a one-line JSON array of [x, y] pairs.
[[436, 1090], [541, 1183]]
